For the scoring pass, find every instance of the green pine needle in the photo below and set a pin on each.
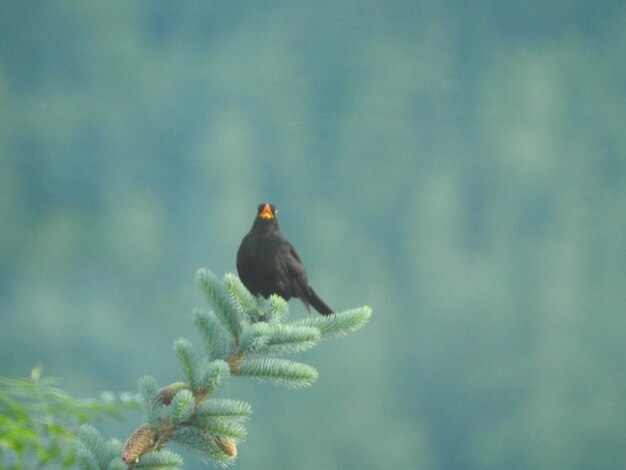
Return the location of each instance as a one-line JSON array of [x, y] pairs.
[[149, 398], [219, 426], [159, 460], [203, 444], [90, 437], [279, 371], [218, 343], [277, 309], [118, 464], [85, 458], [114, 450], [254, 337], [90, 445], [182, 407], [184, 353], [338, 324], [224, 407], [211, 375], [289, 339], [219, 298], [242, 298], [93, 452]]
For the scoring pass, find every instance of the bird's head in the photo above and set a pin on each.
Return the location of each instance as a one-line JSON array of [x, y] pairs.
[[267, 211]]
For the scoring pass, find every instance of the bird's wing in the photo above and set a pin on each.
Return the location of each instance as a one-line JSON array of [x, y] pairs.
[[298, 278]]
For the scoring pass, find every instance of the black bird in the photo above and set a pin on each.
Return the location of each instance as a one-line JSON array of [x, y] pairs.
[[268, 264]]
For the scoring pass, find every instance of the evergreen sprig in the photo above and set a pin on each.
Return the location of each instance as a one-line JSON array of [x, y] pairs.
[[220, 299], [182, 408], [94, 452], [149, 399], [242, 335], [224, 407], [216, 340], [340, 324], [279, 371], [159, 460], [184, 354]]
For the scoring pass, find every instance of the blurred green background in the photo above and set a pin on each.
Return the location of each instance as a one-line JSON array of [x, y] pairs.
[[458, 166]]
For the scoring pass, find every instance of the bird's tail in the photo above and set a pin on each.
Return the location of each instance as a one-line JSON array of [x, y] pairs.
[[318, 304]]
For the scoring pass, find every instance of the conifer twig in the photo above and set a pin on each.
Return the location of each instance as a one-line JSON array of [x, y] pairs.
[[242, 335]]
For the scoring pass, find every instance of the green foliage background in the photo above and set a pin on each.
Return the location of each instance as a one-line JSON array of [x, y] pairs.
[[458, 166]]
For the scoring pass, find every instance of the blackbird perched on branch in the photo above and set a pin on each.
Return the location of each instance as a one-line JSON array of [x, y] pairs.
[[268, 264]]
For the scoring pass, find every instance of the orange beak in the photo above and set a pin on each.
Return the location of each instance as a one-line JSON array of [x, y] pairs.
[[266, 213]]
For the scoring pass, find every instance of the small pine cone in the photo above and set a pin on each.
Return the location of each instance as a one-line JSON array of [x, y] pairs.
[[139, 442], [166, 394], [227, 445]]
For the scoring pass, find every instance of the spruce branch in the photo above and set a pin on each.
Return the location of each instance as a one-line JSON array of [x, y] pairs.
[[211, 375], [216, 339], [150, 399], [291, 338], [218, 426], [277, 309], [91, 439], [241, 297], [206, 445], [218, 296], [242, 335], [338, 324], [160, 460], [181, 408], [186, 358], [279, 371], [224, 407], [93, 452], [254, 338]]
